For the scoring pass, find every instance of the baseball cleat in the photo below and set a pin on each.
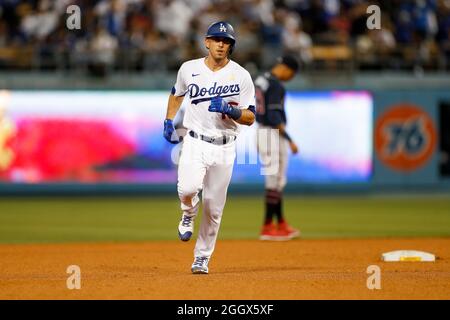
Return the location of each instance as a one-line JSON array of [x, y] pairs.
[[186, 227], [292, 232], [270, 232], [200, 265]]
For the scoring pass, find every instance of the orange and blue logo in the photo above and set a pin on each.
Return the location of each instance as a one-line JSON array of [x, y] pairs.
[[405, 137]]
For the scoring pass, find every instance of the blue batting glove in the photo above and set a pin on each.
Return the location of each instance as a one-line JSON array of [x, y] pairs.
[[219, 105], [169, 132]]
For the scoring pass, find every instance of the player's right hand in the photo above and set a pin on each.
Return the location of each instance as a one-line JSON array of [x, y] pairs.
[[170, 133], [293, 147]]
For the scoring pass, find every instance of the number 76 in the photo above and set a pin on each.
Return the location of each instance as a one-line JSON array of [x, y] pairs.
[[409, 136]]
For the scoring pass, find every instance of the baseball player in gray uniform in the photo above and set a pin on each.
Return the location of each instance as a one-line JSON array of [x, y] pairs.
[[270, 114], [222, 98]]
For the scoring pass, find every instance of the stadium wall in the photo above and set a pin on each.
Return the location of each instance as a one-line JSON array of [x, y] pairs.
[[407, 131]]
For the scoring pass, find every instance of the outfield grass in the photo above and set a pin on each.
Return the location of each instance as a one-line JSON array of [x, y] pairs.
[[27, 220]]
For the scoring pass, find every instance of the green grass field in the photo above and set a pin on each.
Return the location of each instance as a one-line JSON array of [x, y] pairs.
[[29, 220]]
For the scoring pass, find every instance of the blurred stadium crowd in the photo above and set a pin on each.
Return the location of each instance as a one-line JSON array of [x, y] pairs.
[[150, 35]]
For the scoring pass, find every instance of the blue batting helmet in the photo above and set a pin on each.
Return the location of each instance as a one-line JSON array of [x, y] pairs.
[[222, 29]]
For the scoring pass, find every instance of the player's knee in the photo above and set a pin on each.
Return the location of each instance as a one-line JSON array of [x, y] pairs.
[[272, 183], [282, 184], [213, 210], [215, 214], [215, 217], [187, 192]]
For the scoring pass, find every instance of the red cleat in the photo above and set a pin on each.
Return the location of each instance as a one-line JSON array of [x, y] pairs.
[[287, 229], [270, 232]]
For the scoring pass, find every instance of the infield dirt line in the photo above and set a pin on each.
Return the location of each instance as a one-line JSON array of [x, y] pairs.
[[250, 269]]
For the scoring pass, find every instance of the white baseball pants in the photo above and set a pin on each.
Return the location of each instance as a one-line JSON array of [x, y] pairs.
[[273, 152], [208, 168]]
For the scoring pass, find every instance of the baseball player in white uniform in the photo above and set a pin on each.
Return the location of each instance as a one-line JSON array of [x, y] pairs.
[[222, 98]]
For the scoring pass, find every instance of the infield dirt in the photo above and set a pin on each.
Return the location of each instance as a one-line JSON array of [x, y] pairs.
[[299, 269]]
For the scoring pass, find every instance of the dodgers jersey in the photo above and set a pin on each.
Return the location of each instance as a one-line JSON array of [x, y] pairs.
[[200, 84]]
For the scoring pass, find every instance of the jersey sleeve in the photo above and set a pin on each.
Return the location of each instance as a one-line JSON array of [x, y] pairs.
[[180, 87], [262, 83], [247, 99]]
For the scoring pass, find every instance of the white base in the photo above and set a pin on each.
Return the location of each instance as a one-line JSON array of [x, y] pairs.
[[407, 255]]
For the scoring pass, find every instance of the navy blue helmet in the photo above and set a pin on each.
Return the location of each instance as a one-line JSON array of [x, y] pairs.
[[222, 29]]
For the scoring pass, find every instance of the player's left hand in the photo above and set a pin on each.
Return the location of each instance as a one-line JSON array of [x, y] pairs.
[[219, 105]]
